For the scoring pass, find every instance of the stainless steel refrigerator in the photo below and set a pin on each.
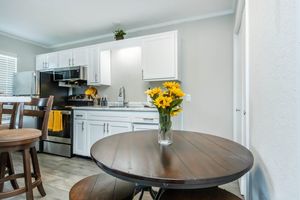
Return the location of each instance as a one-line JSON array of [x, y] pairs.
[[26, 84]]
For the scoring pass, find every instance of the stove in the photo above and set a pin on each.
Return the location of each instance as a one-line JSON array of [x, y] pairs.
[[80, 100]]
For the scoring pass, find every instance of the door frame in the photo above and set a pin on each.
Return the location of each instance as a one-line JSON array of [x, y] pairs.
[[242, 19]]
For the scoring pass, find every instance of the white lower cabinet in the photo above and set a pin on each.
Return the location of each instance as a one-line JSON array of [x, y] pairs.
[[91, 126], [80, 138], [95, 132], [118, 127]]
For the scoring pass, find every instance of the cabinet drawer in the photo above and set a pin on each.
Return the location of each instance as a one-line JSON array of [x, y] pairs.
[[108, 116], [146, 118], [81, 115]]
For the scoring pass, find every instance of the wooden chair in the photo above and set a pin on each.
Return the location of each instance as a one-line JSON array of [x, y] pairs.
[[200, 194], [102, 187], [6, 164], [9, 111], [24, 140]]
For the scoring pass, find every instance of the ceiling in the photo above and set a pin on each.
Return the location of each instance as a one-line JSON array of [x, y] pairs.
[[53, 23]]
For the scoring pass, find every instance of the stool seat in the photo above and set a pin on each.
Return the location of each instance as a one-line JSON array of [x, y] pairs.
[[102, 187], [13, 135], [199, 194], [4, 127]]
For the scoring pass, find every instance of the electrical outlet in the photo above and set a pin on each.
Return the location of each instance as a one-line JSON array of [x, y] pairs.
[[188, 97]]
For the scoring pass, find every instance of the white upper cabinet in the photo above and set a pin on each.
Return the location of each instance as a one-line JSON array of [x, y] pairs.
[[65, 58], [80, 57], [46, 61], [52, 60], [40, 62], [99, 63], [73, 57], [160, 57]]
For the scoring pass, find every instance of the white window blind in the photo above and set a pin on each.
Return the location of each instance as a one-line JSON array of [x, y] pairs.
[[8, 66]]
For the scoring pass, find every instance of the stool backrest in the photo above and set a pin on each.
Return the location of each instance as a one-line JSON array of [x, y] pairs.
[[6, 109], [42, 110]]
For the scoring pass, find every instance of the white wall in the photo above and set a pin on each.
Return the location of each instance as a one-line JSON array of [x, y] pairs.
[[206, 49], [274, 103], [24, 51]]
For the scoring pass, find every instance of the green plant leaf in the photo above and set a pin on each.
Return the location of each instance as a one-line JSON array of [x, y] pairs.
[[176, 102]]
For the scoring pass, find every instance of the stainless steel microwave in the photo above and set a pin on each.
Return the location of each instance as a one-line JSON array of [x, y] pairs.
[[70, 74]]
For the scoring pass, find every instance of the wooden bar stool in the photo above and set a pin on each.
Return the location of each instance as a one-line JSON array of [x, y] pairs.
[[6, 164], [102, 187], [24, 140], [200, 194]]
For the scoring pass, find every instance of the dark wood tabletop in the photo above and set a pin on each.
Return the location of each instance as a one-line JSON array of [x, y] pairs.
[[194, 160]]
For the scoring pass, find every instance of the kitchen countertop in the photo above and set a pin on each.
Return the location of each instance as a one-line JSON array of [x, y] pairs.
[[14, 99], [141, 109]]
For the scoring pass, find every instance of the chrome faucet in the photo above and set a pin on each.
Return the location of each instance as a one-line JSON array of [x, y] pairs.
[[121, 97]]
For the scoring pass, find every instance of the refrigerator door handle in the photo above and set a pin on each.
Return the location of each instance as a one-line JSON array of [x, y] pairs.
[[32, 85]]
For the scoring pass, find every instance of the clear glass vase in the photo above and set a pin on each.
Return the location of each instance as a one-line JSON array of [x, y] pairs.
[[165, 136]]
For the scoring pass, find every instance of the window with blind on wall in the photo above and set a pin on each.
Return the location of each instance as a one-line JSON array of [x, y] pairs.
[[8, 67]]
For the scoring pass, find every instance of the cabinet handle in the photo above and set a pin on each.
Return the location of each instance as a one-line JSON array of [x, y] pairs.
[[142, 74], [148, 119], [96, 78], [107, 128], [104, 128], [82, 126], [79, 115]]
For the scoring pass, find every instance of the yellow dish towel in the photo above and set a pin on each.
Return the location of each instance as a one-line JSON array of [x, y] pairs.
[[55, 123]]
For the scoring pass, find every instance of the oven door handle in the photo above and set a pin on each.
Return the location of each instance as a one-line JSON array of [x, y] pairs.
[[64, 112]]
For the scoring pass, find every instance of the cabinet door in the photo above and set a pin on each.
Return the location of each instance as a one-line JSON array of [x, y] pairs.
[[65, 58], [40, 62], [159, 57], [95, 132], [99, 63], [80, 57], [52, 60], [80, 138], [105, 64], [93, 65], [118, 127]]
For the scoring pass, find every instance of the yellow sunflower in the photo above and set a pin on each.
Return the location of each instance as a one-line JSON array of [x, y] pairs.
[[171, 85], [163, 101], [153, 91], [176, 91]]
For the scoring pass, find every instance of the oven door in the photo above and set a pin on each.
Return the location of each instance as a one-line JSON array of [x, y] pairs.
[[60, 143]]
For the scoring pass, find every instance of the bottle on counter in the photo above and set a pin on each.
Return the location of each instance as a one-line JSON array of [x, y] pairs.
[[105, 101]]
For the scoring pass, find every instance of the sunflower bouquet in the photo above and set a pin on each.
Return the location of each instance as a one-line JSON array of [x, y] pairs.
[[168, 102]]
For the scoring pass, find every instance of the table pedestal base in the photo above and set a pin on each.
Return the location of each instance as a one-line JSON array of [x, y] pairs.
[[142, 189]]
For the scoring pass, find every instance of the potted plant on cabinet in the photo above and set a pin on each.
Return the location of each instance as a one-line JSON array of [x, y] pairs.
[[119, 34]]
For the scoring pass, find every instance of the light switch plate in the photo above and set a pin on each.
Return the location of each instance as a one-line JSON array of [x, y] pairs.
[[188, 97]]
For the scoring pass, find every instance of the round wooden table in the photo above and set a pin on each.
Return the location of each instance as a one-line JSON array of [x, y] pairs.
[[194, 160]]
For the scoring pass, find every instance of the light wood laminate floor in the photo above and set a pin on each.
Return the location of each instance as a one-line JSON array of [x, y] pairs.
[[59, 174]]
